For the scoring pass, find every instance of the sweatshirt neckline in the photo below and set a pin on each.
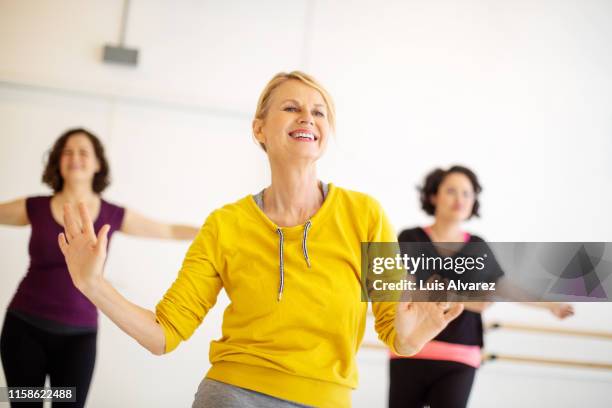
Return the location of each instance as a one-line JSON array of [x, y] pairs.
[[316, 219]]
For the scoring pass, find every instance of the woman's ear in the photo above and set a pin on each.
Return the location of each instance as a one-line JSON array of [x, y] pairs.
[[433, 199], [258, 131]]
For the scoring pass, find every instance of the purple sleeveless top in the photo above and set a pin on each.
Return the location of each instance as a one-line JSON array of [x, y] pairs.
[[47, 291]]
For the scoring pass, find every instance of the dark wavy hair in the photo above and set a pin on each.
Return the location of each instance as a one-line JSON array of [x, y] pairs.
[[436, 177], [52, 176]]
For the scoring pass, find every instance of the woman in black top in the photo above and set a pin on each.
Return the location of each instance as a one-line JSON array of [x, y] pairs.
[[442, 373]]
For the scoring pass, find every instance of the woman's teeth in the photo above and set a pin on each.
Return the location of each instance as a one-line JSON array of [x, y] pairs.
[[300, 135]]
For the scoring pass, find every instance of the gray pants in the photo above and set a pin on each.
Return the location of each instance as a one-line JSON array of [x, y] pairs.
[[215, 394]]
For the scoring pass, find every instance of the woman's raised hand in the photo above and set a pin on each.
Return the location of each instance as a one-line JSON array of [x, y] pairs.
[[85, 253], [416, 323]]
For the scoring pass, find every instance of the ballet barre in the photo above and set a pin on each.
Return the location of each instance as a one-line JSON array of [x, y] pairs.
[[549, 330], [545, 361]]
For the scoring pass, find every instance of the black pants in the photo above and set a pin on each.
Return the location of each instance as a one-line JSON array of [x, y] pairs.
[[416, 383], [29, 354]]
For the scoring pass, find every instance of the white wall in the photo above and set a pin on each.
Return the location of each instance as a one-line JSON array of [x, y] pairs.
[[520, 91]]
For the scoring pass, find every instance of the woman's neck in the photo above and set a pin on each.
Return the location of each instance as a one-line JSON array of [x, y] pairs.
[[446, 231], [294, 195], [74, 193]]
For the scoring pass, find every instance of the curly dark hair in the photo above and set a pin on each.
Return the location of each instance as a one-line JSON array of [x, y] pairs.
[[436, 177], [52, 176]]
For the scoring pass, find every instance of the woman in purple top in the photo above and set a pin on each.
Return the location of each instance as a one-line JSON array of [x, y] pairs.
[[50, 327]]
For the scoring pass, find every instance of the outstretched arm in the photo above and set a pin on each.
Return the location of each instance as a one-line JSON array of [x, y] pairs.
[[559, 309], [137, 224], [85, 255], [515, 293], [14, 212], [404, 326]]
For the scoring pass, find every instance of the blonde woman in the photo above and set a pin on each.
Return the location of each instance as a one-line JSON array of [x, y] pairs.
[[289, 260]]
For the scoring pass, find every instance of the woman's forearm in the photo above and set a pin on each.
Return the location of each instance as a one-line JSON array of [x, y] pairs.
[[541, 305], [14, 213], [183, 232], [138, 225], [139, 323]]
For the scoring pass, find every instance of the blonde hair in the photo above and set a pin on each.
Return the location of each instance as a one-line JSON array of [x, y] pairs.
[[263, 104]]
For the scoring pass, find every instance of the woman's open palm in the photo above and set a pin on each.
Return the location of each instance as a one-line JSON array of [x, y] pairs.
[[85, 253]]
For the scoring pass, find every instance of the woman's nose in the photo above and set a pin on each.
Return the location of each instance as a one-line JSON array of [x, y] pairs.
[[306, 119]]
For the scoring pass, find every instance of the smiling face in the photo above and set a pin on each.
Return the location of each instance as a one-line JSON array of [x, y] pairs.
[[78, 161], [295, 125], [455, 198]]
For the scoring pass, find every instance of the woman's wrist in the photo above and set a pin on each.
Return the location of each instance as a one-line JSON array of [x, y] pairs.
[[91, 288], [404, 346]]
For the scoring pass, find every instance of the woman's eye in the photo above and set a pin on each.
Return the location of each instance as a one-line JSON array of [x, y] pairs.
[[290, 109], [319, 113]]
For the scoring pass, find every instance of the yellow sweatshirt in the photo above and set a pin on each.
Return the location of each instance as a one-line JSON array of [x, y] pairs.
[[296, 319]]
